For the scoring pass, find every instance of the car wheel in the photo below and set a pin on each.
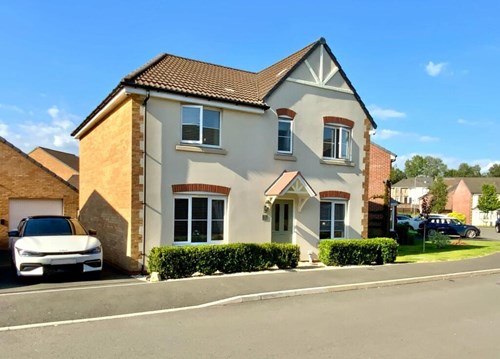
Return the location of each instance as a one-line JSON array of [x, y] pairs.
[[470, 233]]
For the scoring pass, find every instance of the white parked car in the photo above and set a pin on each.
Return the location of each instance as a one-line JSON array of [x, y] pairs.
[[52, 244], [414, 222]]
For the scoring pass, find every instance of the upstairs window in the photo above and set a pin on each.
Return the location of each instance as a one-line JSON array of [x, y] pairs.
[[337, 142], [285, 135], [200, 125]]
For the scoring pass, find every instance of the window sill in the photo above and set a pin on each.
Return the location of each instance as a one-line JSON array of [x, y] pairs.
[[201, 149], [284, 157], [336, 162]]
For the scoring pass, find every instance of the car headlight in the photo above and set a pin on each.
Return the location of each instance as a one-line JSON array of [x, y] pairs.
[[27, 253], [95, 250]]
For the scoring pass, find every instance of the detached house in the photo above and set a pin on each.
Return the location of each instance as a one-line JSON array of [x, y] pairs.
[[184, 152]]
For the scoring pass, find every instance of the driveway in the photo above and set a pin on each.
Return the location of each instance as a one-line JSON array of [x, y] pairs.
[[9, 283]]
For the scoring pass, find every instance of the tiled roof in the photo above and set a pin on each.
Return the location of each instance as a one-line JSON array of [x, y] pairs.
[[174, 74], [475, 184], [68, 159]]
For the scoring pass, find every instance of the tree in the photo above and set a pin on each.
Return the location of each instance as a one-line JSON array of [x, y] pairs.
[[425, 166], [397, 175], [439, 194], [488, 200], [494, 171], [464, 170]]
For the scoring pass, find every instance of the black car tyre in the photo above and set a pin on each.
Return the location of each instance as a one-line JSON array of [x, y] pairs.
[[470, 233]]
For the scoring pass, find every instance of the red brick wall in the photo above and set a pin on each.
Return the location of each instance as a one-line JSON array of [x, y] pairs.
[[23, 178], [380, 171], [462, 201]]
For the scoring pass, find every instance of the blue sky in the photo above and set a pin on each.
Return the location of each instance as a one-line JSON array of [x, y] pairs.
[[426, 70]]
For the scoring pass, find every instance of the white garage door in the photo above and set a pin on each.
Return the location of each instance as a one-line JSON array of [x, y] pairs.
[[20, 208]]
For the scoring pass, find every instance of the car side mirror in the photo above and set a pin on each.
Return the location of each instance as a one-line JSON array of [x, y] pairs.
[[14, 233], [92, 232]]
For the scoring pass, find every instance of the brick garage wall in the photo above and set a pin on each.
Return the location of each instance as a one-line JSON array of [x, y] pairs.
[[56, 166], [462, 201], [380, 171], [23, 178], [110, 186]]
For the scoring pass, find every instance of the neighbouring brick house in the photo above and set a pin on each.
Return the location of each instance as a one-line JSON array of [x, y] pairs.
[[184, 152], [63, 164], [29, 188], [463, 197], [379, 196]]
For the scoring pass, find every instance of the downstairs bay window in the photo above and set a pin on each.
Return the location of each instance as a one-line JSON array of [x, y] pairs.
[[332, 219], [199, 219]]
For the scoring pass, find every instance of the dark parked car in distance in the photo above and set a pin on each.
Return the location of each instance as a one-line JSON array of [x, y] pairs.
[[497, 225], [448, 226]]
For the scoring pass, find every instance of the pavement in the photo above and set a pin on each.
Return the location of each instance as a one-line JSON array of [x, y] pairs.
[[65, 300]]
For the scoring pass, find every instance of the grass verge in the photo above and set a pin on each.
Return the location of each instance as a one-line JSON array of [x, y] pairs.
[[452, 252]]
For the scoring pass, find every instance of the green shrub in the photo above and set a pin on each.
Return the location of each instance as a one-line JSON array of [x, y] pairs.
[[340, 252], [439, 240], [456, 215], [180, 262]]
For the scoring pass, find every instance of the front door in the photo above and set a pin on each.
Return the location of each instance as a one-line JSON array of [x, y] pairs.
[[282, 221]]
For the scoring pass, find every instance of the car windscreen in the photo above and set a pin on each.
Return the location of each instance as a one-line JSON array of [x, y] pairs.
[[47, 227]]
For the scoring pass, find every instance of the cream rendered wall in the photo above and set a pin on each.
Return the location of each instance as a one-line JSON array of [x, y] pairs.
[[249, 166]]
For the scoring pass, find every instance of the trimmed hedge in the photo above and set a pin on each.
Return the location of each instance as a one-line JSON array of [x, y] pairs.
[[181, 262], [341, 252]]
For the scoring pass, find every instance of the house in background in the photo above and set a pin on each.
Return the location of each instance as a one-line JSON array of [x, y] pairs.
[[28, 188], [184, 152], [380, 207], [63, 164], [463, 197], [409, 191]]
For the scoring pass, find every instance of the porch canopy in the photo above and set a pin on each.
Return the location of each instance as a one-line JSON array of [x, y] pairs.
[[290, 184]]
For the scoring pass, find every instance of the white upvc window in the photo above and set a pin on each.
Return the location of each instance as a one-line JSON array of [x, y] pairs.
[[201, 125], [337, 142], [285, 135], [199, 219], [333, 218]]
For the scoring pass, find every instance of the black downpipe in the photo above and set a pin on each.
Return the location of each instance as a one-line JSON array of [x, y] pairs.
[[145, 105]]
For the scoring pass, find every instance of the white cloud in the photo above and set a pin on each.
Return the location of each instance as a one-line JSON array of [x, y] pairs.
[[386, 134], [427, 139], [11, 108], [384, 113], [4, 130], [461, 121], [433, 69], [53, 132]]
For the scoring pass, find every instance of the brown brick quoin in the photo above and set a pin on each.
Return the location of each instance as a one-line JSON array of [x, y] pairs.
[[338, 120], [200, 187], [334, 194], [366, 177], [286, 112]]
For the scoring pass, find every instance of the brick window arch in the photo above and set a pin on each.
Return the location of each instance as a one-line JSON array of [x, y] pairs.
[[200, 187], [286, 112], [334, 120], [335, 194]]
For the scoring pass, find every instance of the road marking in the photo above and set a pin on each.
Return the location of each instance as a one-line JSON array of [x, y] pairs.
[[265, 296], [71, 289]]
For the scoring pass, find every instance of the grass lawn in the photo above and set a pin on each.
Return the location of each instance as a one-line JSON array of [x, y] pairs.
[[469, 249]]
